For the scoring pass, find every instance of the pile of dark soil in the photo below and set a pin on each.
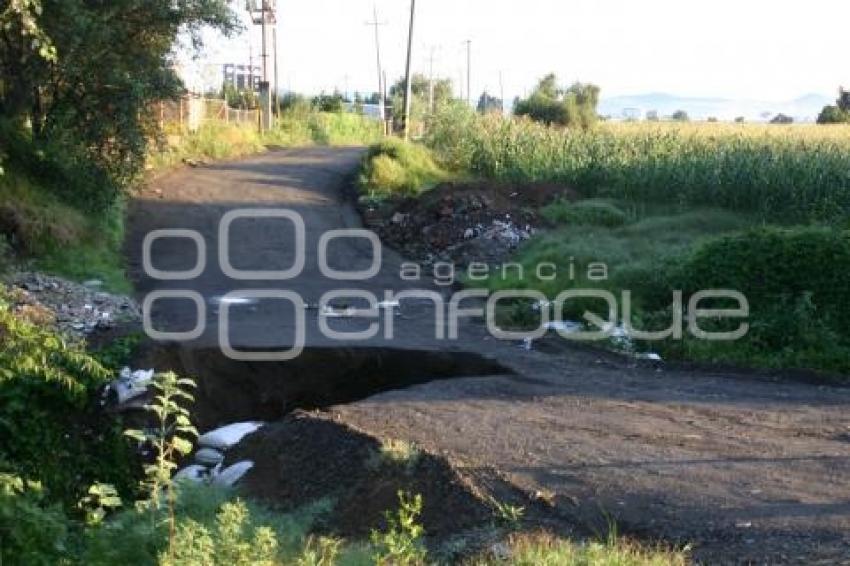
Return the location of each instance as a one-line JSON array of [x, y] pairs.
[[307, 456], [463, 222]]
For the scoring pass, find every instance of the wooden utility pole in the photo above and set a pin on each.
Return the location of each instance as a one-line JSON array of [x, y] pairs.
[[375, 23], [407, 78]]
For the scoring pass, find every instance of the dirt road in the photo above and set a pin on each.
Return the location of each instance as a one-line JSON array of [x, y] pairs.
[[745, 468]]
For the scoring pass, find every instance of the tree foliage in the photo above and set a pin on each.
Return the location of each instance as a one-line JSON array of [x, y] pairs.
[[420, 87], [488, 103], [548, 103], [77, 76], [782, 119], [839, 113]]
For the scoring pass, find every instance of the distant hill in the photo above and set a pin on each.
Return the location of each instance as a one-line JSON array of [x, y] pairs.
[[803, 109]]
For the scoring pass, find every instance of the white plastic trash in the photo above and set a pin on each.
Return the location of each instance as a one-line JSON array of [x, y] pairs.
[[209, 457], [131, 384], [652, 356], [224, 437], [232, 474], [194, 473], [568, 326]]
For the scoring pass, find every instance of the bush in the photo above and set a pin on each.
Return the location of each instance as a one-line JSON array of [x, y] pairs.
[[50, 427], [32, 530], [394, 167], [768, 263], [796, 283], [64, 169], [591, 212]]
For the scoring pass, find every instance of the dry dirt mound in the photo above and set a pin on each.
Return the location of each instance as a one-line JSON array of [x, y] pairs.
[[463, 222], [305, 457]]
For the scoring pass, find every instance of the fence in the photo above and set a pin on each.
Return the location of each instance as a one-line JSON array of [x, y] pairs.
[[191, 112]]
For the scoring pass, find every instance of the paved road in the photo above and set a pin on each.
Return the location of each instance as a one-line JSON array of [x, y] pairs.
[[744, 467]]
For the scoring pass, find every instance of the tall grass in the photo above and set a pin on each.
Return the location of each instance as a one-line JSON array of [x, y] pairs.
[[778, 172], [60, 238]]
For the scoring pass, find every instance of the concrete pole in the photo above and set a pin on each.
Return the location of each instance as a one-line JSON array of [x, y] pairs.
[[407, 78]]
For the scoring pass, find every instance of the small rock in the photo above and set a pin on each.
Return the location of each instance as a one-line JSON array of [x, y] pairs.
[[501, 551]]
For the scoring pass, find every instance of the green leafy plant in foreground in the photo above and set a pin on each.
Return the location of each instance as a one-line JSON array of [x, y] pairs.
[[401, 543], [51, 429], [171, 439]]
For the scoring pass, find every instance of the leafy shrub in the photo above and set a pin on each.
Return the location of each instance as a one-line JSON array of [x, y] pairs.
[[394, 167], [50, 427], [769, 263], [33, 531], [401, 543], [63, 167], [211, 527], [233, 541], [796, 283], [590, 212]]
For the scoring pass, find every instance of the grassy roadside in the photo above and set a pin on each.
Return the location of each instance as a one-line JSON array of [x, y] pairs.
[[791, 269]]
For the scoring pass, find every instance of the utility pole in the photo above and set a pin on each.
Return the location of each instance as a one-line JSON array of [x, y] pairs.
[[407, 78], [265, 15], [276, 83], [431, 81], [265, 53], [251, 66], [501, 93], [469, 72], [381, 87]]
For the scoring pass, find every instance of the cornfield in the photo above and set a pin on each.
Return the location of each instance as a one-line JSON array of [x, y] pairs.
[[782, 173]]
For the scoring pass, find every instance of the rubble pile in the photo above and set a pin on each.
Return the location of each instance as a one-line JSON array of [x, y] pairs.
[[462, 222], [76, 310]]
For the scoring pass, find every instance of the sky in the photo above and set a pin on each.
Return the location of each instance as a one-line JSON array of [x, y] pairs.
[[740, 49]]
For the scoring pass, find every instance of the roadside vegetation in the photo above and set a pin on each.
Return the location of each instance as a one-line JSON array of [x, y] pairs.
[[762, 209], [395, 168]]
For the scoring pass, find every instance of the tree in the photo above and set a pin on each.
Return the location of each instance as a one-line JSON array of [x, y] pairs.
[[782, 119], [833, 115], [712, 119], [420, 87], [680, 116], [487, 103], [740, 120], [550, 104], [652, 115], [329, 102], [839, 113], [78, 76]]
